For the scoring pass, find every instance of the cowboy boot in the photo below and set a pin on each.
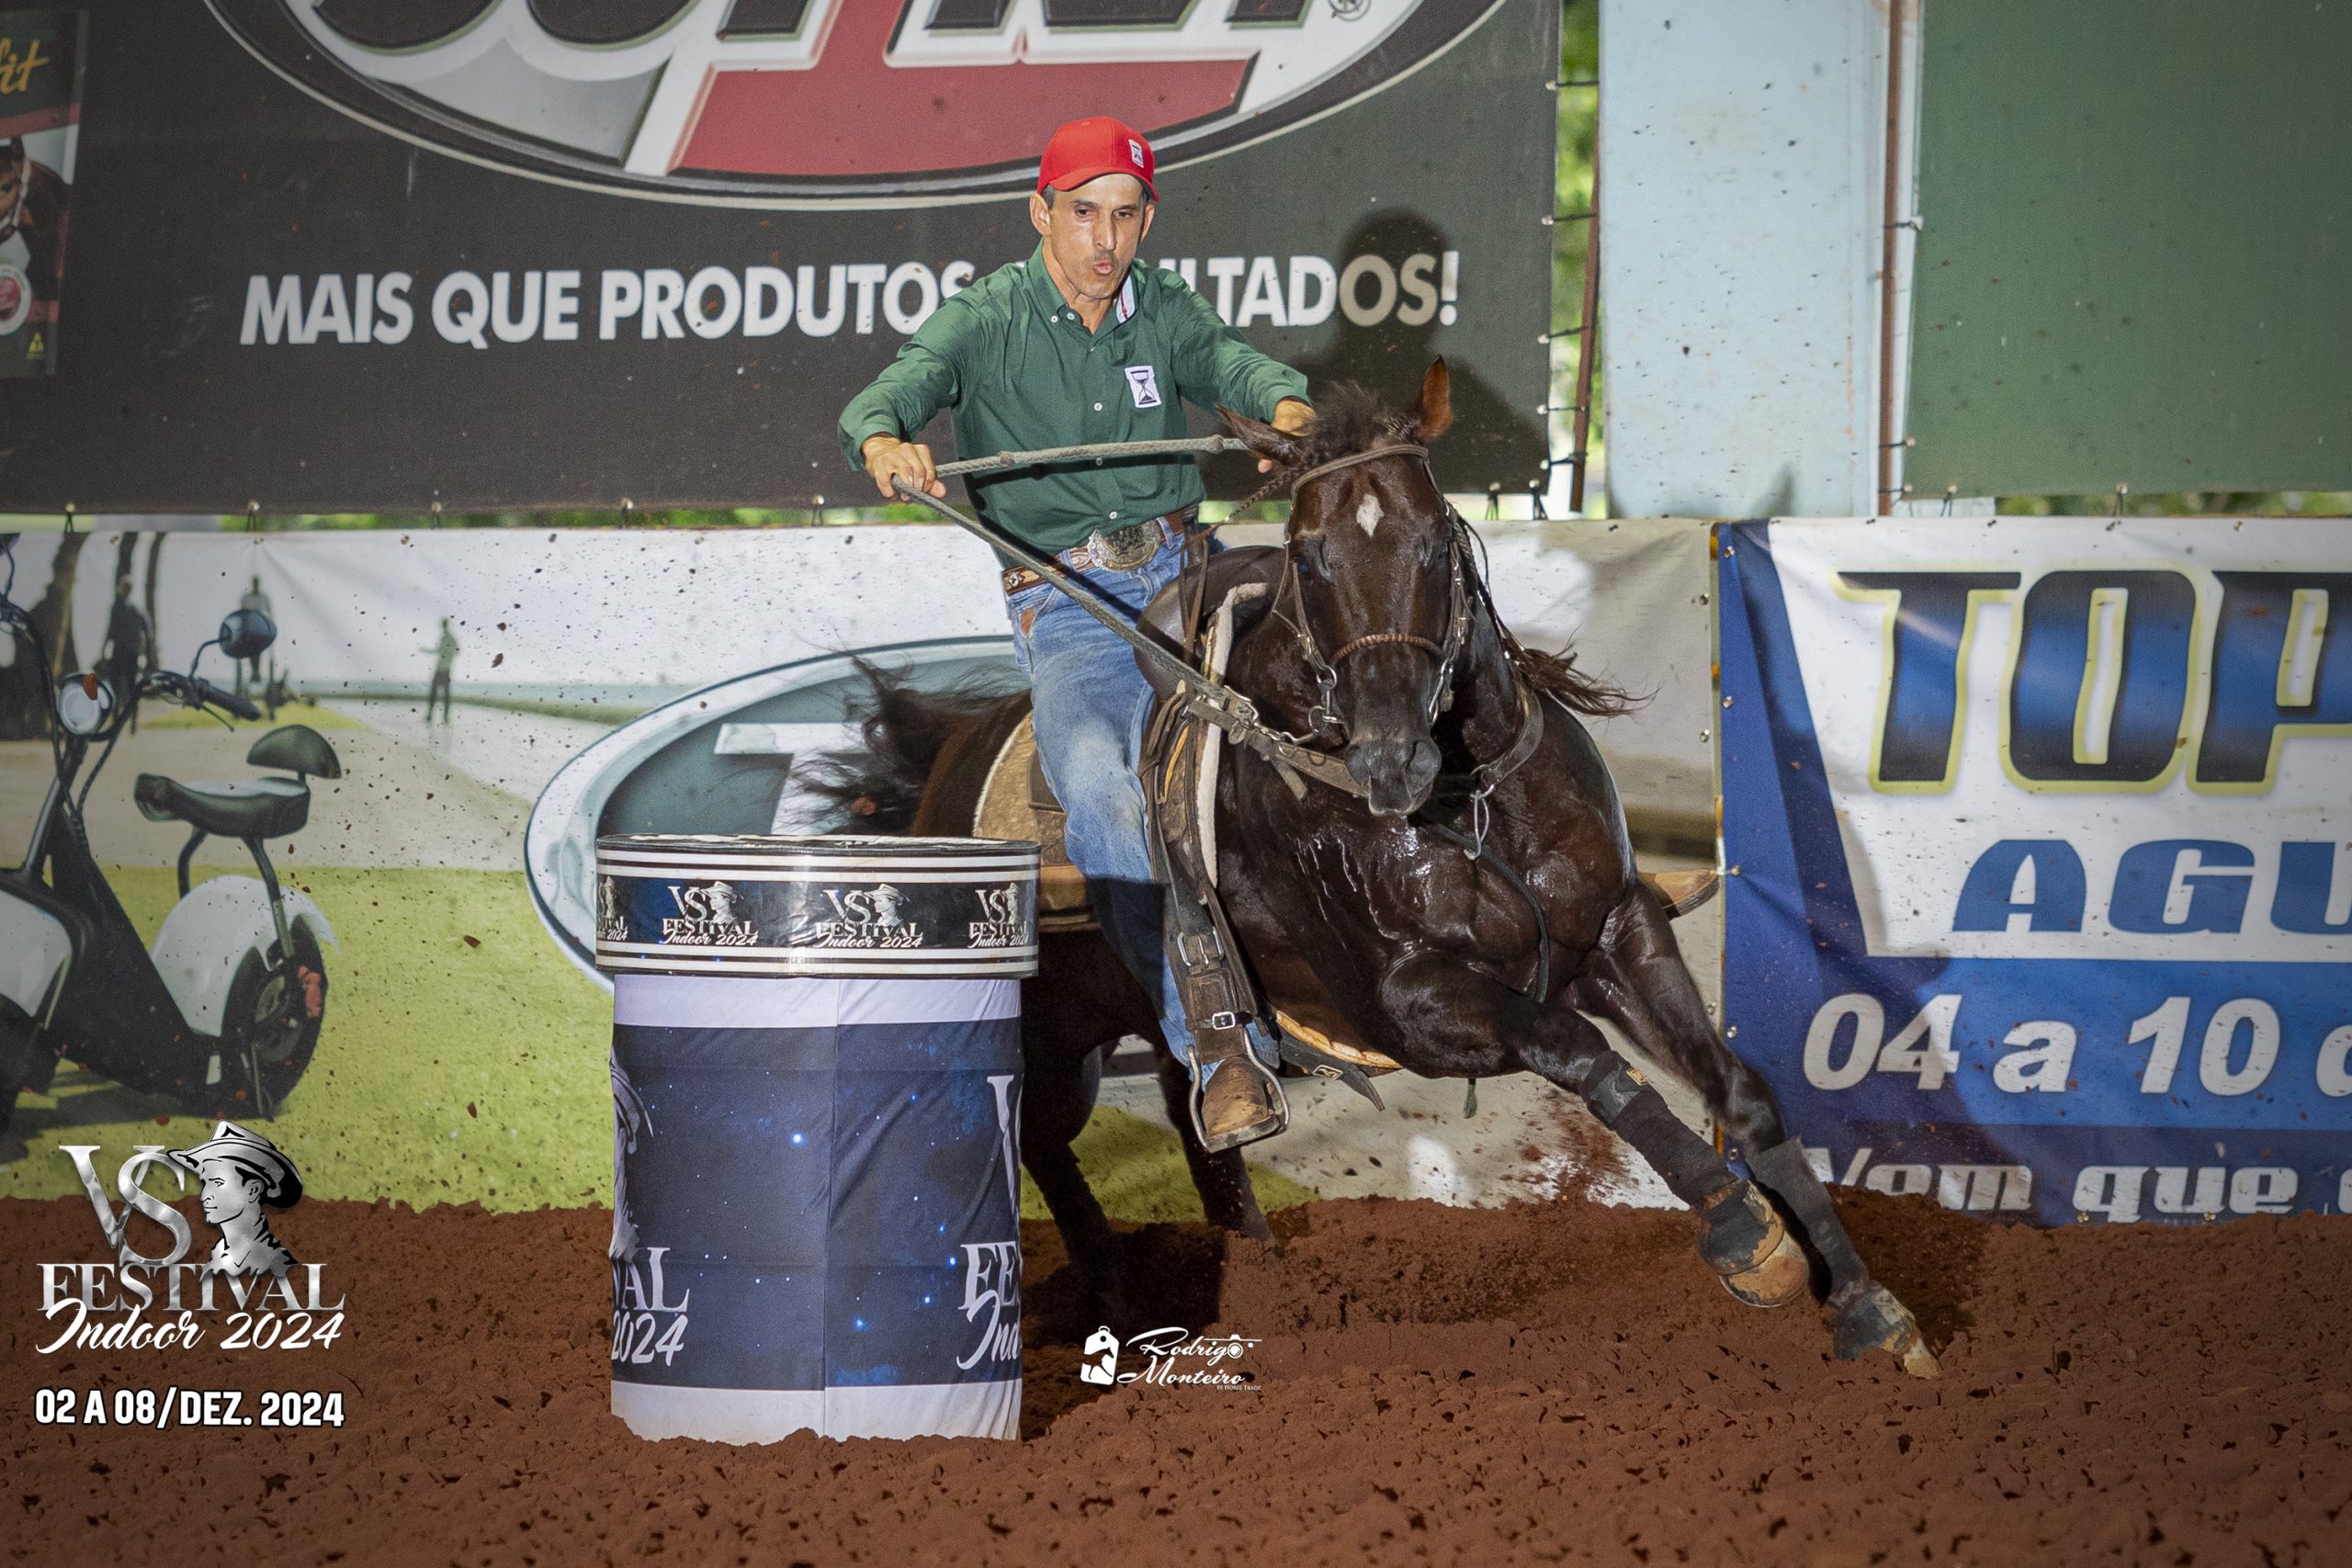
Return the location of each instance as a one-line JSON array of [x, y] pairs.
[[1236, 1100]]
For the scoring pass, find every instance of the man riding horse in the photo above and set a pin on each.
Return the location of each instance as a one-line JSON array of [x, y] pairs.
[[1416, 839], [1079, 344]]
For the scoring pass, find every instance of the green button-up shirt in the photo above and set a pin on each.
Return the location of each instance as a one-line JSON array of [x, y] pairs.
[[1020, 370]]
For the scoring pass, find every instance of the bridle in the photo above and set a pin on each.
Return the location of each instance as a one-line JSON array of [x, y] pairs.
[[1324, 717], [1476, 787]]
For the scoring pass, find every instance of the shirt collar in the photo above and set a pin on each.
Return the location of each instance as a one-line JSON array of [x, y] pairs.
[[1048, 294]]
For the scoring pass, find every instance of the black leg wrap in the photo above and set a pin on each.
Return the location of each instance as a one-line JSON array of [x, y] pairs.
[[1868, 1315], [1690, 1166]]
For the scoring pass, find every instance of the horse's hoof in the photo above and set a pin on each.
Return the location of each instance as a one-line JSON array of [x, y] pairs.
[[1876, 1321], [1748, 1247], [1781, 1279]]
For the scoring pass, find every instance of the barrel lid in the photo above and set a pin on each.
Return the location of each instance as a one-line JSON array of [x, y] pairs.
[[807, 844]]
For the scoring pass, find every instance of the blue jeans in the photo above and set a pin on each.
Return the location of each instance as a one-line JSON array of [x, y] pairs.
[[1092, 706]]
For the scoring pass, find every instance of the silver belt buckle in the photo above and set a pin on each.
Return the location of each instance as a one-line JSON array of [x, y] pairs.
[[1124, 550]]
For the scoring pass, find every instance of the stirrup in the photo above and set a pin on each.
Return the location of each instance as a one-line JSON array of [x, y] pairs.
[[1270, 1094]]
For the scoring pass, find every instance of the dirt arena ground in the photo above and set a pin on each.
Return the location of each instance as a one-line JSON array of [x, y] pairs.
[[1538, 1383]]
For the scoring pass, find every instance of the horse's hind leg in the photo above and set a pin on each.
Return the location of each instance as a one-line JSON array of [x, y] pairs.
[[1638, 981], [1058, 1096], [1459, 1022]]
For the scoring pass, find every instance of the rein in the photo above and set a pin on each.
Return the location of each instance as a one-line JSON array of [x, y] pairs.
[[1199, 695]]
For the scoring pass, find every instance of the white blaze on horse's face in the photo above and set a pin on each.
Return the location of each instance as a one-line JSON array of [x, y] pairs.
[[1368, 514]]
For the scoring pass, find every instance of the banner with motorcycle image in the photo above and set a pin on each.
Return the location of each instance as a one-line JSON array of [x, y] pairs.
[[2041, 898], [372, 255], [449, 718]]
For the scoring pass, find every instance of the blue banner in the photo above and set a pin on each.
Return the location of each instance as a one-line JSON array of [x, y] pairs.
[[2041, 898]]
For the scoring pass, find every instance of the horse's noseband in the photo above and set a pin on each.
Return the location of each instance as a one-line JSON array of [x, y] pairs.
[[1325, 671]]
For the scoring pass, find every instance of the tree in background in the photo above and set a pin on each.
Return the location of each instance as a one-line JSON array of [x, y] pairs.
[[1579, 122], [154, 565]]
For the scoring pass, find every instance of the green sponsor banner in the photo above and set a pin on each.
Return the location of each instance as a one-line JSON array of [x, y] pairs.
[[2133, 248]]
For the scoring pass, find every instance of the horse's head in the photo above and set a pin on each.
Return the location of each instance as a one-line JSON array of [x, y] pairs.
[[1374, 580]]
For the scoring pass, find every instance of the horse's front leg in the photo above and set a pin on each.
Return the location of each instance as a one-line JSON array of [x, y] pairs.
[[1639, 980], [1455, 1022]]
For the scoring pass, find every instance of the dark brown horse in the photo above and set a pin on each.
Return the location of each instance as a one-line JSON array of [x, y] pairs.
[[1478, 898]]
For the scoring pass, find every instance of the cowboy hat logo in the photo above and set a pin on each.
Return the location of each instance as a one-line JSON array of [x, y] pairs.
[[240, 1175]]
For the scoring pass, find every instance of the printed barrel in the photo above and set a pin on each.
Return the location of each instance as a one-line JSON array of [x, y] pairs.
[[816, 1102]]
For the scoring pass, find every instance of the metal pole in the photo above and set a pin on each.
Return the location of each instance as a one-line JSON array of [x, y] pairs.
[[1890, 226], [1587, 338]]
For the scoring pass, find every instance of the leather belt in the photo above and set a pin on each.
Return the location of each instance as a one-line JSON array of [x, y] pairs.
[[1114, 549]]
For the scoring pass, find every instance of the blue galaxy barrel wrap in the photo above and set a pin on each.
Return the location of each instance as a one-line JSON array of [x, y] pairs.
[[816, 1133]]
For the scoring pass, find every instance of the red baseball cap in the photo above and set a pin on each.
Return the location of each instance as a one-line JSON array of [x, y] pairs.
[[1088, 149]]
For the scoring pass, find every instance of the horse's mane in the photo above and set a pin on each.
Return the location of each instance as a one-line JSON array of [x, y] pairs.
[[1348, 419], [1351, 419]]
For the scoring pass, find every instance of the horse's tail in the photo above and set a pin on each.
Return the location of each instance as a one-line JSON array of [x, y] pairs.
[[876, 785]]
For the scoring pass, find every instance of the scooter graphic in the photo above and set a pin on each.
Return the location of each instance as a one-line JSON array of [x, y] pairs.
[[224, 1013]]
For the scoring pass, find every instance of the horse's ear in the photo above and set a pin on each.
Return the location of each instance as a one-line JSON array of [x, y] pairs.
[[1434, 415], [1262, 439]]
